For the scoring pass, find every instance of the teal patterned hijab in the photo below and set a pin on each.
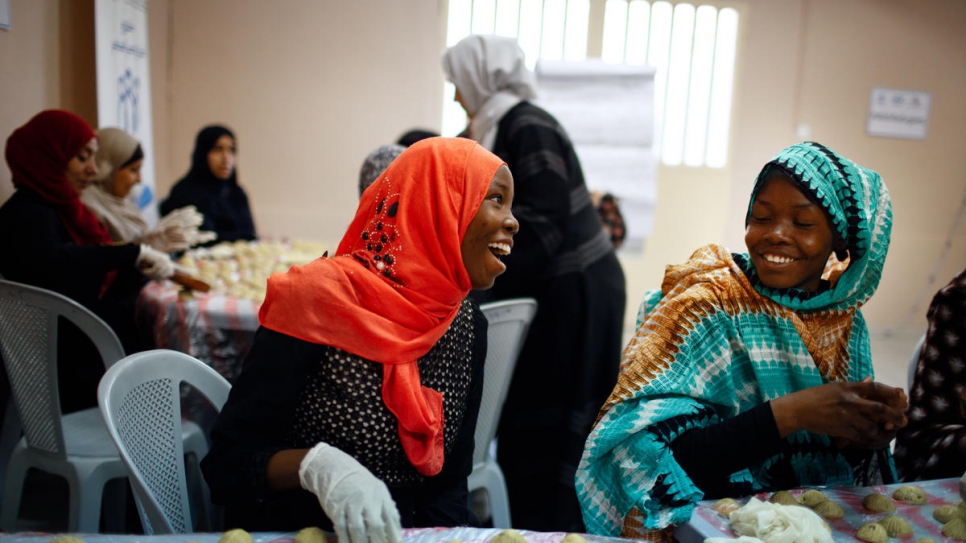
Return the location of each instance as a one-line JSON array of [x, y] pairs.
[[858, 205]]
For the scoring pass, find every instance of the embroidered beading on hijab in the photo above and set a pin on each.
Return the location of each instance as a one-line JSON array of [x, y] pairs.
[[858, 205], [38, 154], [491, 76], [123, 218], [397, 280]]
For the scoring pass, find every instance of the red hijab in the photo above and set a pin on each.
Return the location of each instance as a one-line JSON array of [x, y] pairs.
[[397, 280], [38, 153]]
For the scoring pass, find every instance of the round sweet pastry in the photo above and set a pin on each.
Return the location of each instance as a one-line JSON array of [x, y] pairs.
[[879, 503], [812, 498], [829, 510], [956, 529], [910, 494], [946, 513], [783, 497], [873, 532], [311, 534], [236, 536], [725, 506], [896, 526], [509, 536]]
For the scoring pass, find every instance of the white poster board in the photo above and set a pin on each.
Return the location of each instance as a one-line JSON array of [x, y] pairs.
[[895, 113], [4, 14], [608, 111], [124, 83]]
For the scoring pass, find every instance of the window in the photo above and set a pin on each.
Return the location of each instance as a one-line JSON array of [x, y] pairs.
[[692, 47]]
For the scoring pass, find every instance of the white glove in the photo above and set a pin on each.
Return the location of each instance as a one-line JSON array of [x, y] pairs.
[[359, 504], [154, 264], [178, 231]]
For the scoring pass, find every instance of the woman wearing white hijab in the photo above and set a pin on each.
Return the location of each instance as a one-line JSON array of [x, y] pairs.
[[119, 160], [561, 257]]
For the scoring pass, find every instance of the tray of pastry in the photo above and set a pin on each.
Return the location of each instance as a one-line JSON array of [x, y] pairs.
[[903, 512]]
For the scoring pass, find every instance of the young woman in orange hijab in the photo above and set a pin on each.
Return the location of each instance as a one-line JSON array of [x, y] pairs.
[[358, 402]]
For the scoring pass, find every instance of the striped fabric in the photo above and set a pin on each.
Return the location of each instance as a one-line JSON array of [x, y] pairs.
[[714, 342]]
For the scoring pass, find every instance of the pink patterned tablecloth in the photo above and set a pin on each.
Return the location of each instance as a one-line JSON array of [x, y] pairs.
[[212, 327], [708, 523]]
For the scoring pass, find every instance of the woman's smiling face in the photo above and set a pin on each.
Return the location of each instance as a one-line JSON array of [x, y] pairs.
[[789, 237], [490, 235]]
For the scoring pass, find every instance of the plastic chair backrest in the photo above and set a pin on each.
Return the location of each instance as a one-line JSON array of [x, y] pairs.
[[509, 321], [914, 362], [140, 399], [28, 345]]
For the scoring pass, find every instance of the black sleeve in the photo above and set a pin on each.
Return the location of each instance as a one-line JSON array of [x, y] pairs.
[[738, 442], [442, 500], [39, 251], [253, 423]]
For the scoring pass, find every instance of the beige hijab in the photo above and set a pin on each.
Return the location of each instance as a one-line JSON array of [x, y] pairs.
[[121, 216], [491, 76]]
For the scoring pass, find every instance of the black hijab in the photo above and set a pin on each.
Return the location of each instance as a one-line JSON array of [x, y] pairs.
[[222, 201]]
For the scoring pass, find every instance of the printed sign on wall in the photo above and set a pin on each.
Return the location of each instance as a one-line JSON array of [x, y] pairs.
[[124, 83], [895, 113]]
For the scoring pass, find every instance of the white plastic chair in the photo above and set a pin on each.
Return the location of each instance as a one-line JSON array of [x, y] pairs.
[[140, 399], [509, 321], [74, 446]]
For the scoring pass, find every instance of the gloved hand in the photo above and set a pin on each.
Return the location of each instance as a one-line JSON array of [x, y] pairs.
[[178, 231], [154, 264], [359, 504]]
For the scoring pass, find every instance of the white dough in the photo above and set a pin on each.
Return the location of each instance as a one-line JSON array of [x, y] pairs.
[[775, 523]]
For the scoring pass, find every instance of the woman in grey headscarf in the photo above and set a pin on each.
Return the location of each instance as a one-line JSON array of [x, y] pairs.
[[561, 257], [376, 163], [119, 161]]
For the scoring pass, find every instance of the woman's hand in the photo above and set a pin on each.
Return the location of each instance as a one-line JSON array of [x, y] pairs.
[[178, 231], [359, 504], [865, 412]]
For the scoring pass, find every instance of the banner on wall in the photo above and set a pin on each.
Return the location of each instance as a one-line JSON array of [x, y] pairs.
[[608, 112], [124, 83]]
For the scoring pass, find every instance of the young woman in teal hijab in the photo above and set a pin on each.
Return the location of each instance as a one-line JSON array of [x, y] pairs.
[[760, 360]]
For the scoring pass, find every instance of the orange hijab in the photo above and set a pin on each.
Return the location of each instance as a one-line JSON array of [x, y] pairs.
[[396, 282]]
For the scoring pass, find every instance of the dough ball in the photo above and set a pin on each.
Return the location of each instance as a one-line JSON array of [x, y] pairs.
[[829, 509], [961, 504], [955, 529], [236, 536], [946, 513], [812, 498], [508, 536], [879, 503], [573, 538], [783, 497], [311, 534], [725, 506], [66, 539], [910, 494], [896, 526], [873, 532]]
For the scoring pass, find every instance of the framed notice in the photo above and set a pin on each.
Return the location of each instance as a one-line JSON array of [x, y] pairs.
[[895, 113]]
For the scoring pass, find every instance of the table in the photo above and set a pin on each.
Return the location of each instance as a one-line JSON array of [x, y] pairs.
[[217, 327], [213, 327], [410, 535], [707, 523]]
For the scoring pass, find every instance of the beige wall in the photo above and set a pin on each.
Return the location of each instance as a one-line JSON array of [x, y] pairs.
[[311, 86]]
